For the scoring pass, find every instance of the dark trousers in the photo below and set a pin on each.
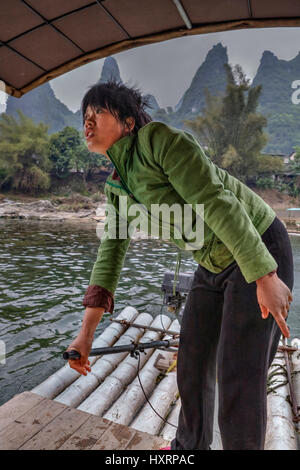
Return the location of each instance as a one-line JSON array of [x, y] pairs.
[[224, 337]]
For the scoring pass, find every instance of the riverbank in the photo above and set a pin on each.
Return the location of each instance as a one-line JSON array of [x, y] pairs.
[[45, 210], [76, 208], [90, 211]]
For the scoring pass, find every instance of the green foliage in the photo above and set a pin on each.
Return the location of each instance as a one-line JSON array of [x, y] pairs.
[[29, 157], [293, 189], [68, 151], [268, 164], [85, 161], [63, 145], [291, 185], [24, 162], [230, 127], [289, 188], [265, 182], [209, 128]]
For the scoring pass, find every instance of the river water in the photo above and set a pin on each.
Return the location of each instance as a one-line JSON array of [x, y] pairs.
[[45, 269]]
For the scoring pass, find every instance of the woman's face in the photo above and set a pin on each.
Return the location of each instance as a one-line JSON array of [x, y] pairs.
[[102, 129]]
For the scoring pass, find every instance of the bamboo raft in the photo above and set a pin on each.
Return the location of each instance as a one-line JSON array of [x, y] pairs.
[[107, 409]]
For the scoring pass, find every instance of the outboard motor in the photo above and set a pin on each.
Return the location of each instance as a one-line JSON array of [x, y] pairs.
[[175, 300]]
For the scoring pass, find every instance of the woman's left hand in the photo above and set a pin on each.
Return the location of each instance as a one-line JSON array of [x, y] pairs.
[[274, 297]]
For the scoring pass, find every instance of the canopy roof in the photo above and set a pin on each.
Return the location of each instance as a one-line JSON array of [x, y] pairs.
[[42, 39]]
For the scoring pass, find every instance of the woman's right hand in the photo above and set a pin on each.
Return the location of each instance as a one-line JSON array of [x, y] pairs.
[[81, 344], [84, 340], [274, 297]]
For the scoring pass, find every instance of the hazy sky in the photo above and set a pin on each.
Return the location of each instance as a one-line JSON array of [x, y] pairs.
[[166, 69]]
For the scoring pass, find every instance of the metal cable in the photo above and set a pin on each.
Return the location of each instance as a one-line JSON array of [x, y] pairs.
[[138, 376]]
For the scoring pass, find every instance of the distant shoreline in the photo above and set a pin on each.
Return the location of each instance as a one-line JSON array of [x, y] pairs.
[[45, 210]]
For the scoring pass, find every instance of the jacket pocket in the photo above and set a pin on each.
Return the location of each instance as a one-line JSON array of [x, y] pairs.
[[220, 256]]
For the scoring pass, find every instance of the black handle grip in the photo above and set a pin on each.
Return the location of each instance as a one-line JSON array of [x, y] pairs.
[[132, 348], [72, 354]]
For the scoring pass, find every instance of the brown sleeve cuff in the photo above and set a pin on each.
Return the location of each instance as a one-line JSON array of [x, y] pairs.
[[97, 296]]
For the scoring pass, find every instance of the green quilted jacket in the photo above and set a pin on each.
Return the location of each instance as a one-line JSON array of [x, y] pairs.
[[162, 164]]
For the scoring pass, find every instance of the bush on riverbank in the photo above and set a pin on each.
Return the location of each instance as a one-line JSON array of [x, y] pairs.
[[76, 202], [24, 162], [34, 164]]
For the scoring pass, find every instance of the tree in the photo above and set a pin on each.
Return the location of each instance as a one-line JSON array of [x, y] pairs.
[[268, 165], [230, 128], [63, 144], [85, 161], [24, 162], [68, 151]]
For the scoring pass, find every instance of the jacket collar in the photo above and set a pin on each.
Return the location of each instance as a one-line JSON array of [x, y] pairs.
[[118, 150], [117, 154]]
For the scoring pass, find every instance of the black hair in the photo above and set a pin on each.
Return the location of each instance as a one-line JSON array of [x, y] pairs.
[[120, 100]]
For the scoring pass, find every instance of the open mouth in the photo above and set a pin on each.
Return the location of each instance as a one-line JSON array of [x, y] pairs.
[[89, 134]]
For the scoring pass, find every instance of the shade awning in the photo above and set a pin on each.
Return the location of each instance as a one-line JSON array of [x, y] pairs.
[[42, 39]]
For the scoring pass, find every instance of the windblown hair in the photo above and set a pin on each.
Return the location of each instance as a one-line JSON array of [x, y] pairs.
[[120, 100]]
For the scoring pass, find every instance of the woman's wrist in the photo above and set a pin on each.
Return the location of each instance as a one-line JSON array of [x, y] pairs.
[[91, 319], [86, 334], [267, 276]]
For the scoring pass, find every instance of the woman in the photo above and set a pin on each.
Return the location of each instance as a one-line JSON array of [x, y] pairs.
[[237, 306]]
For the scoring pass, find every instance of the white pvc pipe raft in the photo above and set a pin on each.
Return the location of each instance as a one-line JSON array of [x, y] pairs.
[[161, 399], [112, 390], [132, 399], [280, 434], [84, 386], [108, 363], [295, 359], [168, 431], [62, 378], [113, 385], [130, 402]]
